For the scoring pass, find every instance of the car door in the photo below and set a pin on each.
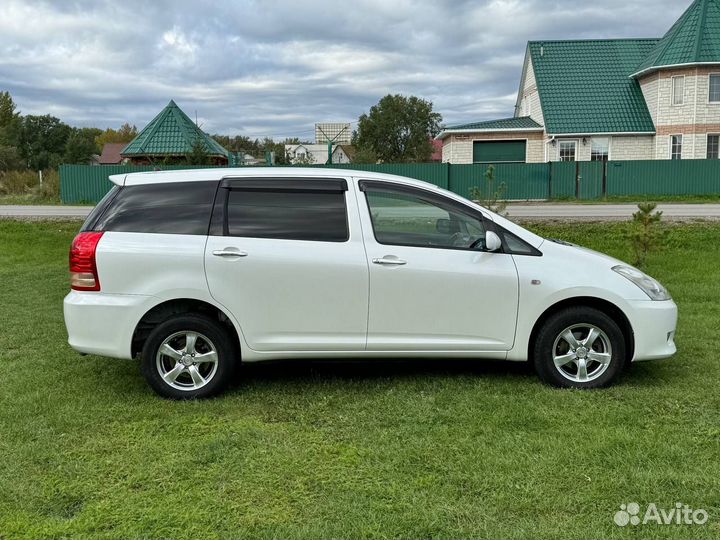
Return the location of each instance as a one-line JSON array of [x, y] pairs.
[[433, 287], [286, 257]]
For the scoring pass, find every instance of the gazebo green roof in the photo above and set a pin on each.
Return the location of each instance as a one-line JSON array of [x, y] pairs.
[[694, 39], [171, 133]]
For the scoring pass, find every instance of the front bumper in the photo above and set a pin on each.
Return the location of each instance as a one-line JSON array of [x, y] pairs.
[[103, 324], [653, 326]]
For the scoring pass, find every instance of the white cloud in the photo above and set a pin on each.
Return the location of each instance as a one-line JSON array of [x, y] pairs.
[[275, 67]]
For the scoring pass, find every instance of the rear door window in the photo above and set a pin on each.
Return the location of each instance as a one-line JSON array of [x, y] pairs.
[[288, 210], [167, 208]]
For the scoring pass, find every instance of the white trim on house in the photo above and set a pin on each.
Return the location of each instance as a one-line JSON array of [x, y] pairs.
[[447, 132], [670, 66], [522, 79], [673, 94], [609, 146], [670, 144], [603, 133], [575, 143]]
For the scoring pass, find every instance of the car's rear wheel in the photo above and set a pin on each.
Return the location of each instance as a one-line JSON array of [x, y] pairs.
[[188, 356], [579, 347]]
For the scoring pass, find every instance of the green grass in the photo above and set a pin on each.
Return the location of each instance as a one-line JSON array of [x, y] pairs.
[[363, 450], [29, 199]]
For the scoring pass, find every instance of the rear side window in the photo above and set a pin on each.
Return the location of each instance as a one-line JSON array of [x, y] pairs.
[[99, 209], [167, 208], [289, 212]]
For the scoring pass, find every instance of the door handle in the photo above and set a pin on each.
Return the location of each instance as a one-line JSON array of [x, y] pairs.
[[389, 262], [229, 253]]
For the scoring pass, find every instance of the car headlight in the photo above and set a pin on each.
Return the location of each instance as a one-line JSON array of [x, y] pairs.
[[649, 286]]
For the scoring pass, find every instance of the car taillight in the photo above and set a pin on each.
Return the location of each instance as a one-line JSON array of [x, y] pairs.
[[83, 270]]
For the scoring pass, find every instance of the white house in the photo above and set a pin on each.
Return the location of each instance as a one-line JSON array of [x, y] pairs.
[[317, 154], [617, 99]]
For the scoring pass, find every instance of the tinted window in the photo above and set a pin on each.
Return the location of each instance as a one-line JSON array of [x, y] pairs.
[[169, 208], [99, 209], [408, 219], [287, 214], [516, 246]]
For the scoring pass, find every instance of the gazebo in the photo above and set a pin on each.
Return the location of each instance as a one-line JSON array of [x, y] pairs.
[[171, 136]]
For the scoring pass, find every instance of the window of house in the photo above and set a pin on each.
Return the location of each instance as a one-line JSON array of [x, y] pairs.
[[715, 88], [676, 146], [713, 146], [599, 149], [568, 150], [678, 90]]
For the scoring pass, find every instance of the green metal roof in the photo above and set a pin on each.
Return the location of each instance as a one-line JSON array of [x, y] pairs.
[[171, 133], [517, 123], [585, 86], [693, 39]]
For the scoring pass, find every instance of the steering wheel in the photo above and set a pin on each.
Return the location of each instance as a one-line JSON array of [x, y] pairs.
[[458, 239]]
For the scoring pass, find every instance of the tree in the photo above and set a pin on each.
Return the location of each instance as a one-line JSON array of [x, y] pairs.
[[239, 144], [9, 120], [9, 132], [42, 141], [398, 129], [125, 134], [10, 159], [493, 198], [645, 235], [81, 146], [199, 154]]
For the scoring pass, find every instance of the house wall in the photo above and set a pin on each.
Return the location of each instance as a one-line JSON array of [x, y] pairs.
[[694, 119], [621, 148], [530, 97], [649, 87], [459, 148]]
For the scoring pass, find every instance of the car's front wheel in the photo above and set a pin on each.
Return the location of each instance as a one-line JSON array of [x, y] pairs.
[[579, 347], [188, 356]]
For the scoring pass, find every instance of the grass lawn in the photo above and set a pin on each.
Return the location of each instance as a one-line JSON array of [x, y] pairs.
[[362, 450], [29, 199]]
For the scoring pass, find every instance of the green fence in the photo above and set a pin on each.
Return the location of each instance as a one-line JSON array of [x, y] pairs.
[[524, 181]]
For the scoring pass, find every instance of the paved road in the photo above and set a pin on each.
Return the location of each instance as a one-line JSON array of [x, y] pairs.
[[39, 212], [592, 212], [609, 212]]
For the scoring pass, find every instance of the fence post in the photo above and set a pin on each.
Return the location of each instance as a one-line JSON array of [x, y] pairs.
[[604, 178], [577, 180]]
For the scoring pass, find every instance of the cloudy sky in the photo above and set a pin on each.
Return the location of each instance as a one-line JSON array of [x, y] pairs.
[[275, 67]]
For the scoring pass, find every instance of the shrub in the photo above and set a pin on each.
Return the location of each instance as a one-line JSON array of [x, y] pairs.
[[27, 183], [645, 234], [493, 199]]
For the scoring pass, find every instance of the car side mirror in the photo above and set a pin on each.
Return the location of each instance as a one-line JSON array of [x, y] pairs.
[[443, 226], [492, 241]]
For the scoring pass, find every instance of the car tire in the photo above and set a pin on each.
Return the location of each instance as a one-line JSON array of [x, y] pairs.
[[190, 356], [579, 347]]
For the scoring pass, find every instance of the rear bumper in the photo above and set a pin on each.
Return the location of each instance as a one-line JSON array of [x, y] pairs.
[[103, 324], [653, 325]]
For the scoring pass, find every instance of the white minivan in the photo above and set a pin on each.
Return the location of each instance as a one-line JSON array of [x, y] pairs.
[[194, 271]]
